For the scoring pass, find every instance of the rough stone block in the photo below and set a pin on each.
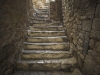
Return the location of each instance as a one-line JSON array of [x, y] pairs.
[[97, 47], [96, 24], [91, 43], [97, 13], [95, 34], [86, 26]]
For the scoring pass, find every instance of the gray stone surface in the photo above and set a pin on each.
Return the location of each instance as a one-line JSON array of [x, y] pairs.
[[83, 31], [97, 47], [86, 26], [96, 24], [97, 13], [75, 72], [13, 21]]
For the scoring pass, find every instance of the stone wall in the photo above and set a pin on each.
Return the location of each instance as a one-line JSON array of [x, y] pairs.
[[14, 20], [56, 10], [81, 19]]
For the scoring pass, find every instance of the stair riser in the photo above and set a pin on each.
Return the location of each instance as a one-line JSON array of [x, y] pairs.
[[47, 47], [32, 67], [36, 56], [44, 25], [46, 40], [42, 13], [46, 29], [38, 21], [46, 34], [41, 25], [56, 64], [42, 67]]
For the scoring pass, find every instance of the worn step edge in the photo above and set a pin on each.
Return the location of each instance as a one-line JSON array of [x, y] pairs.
[[46, 26], [38, 18], [37, 22], [42, 13], [71, 61], [44, 31], [44, 51], [44, 55], [45, 43], [48, 37]]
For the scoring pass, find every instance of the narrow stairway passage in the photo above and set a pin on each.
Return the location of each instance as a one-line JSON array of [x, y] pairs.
[[46, 49]]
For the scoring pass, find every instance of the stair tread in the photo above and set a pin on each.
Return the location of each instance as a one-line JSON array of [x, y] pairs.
[[46, 26], [45, 43], [75, 72], [45, 46], [47, 34], [48, 37], [71, 61], [47, 40], [44, 51], [45, 31], [52, 64], [44, 55]]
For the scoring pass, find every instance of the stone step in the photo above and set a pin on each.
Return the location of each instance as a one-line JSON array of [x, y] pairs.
[[44, 10], [40, 19], [37, 22], [47, 25], [53, 64], [46, 46], [34, 55], [47, 39], [46, 33], [75, 72], [42, 13], [46, 28], [43, 17]]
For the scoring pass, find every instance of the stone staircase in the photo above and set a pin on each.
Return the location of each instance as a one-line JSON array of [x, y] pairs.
[[46, 49]]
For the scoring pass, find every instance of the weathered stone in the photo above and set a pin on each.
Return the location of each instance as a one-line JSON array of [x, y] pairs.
[[96, 24], [80, 42], [86, 26], [80, 48], [95, 34], [87, 36], [13, 20], [97, 46], [98, 11], [83, 17], [91, 44]]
